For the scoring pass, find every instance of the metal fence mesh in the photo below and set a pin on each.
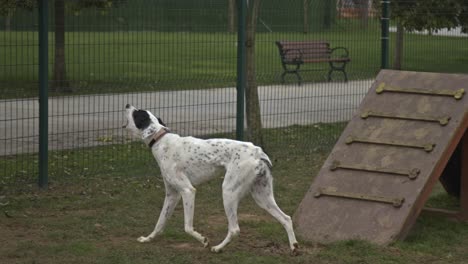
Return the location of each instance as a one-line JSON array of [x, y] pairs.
[[178, 59]]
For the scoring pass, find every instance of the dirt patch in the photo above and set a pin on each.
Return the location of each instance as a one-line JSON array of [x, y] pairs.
[[254, 217], [188, 246], [220, 219]]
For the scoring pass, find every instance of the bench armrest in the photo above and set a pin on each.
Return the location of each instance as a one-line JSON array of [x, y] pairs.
[[342, 51], [298, 51]]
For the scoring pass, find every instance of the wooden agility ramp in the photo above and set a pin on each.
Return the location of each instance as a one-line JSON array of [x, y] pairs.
[[381, 171]]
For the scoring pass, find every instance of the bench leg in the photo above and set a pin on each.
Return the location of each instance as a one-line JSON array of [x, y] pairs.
[[335, 67], [299, 78], [291, 70], [282, 77], [330, 72]]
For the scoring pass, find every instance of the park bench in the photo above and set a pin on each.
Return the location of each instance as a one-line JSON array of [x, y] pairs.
[[296, 53]]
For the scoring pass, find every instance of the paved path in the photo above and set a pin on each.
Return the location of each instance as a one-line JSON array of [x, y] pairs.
[[83, 121]]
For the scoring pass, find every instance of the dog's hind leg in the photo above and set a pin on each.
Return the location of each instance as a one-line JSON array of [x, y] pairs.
[[262, 193], [231, 203], [188, 197], [235, 186], [170, 202]]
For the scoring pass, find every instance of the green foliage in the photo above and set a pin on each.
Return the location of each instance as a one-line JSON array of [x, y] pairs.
[[103, 5], [430, 15], [180, 15], [9, 6]]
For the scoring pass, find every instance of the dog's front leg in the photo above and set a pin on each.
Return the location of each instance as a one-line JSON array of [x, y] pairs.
[[188, 197], [170, 202]]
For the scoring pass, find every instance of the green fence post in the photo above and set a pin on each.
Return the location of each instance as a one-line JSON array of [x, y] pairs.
[[385, 22], [43, 93], [241, 66]]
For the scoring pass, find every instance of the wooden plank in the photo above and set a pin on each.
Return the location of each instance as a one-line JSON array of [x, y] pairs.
[[329, 219]]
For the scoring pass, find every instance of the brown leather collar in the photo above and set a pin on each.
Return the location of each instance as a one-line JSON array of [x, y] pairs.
[[157, 136]]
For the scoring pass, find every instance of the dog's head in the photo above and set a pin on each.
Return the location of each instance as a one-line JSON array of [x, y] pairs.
[[142, 123]]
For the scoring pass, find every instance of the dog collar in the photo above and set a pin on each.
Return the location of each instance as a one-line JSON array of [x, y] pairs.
[[157, 136]]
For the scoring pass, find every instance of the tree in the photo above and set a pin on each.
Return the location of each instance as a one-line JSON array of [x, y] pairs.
[[431, 15], [9, 7], [254, 119], [305, 16], [231, 15], [327, 16], [364, 6], [59, 78]]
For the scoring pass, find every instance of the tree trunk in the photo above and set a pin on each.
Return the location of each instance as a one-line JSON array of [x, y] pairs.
[[254, 118], [306, 16], [397, 62], [60, 82], [364, 10], [8, 18], [327, 15], [231, 15]]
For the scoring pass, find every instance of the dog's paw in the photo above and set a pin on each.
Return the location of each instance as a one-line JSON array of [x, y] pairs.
[[143, 239], [206, 243], [216, 249], [295, 249]]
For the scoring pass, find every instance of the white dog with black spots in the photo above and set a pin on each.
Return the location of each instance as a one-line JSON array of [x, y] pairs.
[[186, 162]]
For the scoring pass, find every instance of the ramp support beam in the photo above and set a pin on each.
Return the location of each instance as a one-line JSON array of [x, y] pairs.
[[464, 179]]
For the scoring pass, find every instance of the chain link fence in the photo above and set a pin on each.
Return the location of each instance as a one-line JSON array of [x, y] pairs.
[[178, 59]]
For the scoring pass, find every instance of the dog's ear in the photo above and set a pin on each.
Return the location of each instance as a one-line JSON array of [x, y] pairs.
[[141, 119], [161, 122]]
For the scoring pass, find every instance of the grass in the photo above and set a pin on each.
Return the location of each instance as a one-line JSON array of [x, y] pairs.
[[120, 158], [96, 217], [103, 62]]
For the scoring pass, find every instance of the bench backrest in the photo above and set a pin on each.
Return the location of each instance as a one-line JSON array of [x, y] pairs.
[[305, 50]]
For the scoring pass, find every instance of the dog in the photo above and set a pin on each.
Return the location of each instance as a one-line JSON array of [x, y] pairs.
[[186, 162]]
